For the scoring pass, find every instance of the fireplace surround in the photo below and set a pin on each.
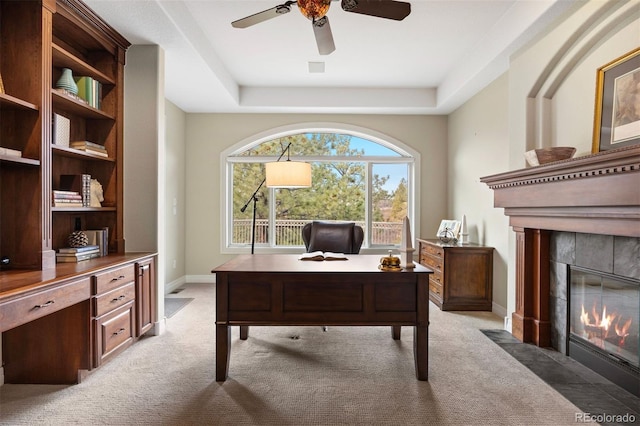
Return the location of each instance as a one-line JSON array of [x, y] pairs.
[[594, 197]]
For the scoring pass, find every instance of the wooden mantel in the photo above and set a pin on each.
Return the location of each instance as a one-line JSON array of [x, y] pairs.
[[597, 194]]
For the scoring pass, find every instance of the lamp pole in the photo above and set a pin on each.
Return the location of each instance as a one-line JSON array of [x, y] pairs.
[[254, 198]]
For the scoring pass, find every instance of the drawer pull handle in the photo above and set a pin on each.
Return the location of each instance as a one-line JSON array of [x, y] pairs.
[[44, 305], [122, 330], [117, 278], [119, 298]]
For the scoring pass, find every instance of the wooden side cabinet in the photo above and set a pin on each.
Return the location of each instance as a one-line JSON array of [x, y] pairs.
[[463, 275]]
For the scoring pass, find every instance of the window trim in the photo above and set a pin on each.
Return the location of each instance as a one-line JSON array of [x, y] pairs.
[[406, 152]]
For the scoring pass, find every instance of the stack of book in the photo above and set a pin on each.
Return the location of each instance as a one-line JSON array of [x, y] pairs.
[[67, 198], [78, 183], [77, 254], [90, 147], [90, 90]]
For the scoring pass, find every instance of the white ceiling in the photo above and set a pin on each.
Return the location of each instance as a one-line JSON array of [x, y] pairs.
[[430, 63]]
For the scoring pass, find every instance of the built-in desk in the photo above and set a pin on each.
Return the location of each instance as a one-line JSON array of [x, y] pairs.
[[59, 323]]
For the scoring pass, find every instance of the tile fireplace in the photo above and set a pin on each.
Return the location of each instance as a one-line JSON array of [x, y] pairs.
[[595, 201]]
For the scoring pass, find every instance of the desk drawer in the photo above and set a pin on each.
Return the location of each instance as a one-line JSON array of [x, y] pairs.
[[26, 309], [114, 299], [114, 278], [114, 332]]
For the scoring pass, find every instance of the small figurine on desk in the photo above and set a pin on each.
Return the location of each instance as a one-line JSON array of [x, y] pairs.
[[406, 246]]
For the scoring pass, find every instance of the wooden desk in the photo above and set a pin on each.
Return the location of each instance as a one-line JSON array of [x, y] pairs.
[[282, 290]]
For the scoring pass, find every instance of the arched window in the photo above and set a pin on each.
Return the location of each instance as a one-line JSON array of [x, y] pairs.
[[354, 178]]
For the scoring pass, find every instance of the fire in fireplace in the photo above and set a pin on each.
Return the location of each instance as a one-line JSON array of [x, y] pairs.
[[604, 320]]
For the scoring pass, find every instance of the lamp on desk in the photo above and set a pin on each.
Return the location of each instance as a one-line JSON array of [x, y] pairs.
[[285, 174]]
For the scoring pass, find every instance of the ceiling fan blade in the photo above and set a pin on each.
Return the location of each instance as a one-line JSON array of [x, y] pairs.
[[265, 15], [389, 9], [324, 37]]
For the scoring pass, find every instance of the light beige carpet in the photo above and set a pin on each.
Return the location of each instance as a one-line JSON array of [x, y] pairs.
[[346, 376]]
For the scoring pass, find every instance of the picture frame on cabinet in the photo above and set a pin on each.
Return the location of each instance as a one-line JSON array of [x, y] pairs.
[[617, 107], [449, 229]]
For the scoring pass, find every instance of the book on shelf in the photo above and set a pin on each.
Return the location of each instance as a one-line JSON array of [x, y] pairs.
[[322, 255], [61, 128], [10, 152], [90, 90], [90, 147], [73, 250], [88, 144], [100, 238], [76, 257], [70, 196], [67, 203], [79, 183]]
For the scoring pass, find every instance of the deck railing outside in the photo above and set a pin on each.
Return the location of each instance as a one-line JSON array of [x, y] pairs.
[[289, 232]]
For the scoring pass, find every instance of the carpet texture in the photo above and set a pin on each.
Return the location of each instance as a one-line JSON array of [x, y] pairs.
[[173, 304], [299, 376]]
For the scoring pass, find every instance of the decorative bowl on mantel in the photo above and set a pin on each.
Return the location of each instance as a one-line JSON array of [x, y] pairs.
[[537, 157]]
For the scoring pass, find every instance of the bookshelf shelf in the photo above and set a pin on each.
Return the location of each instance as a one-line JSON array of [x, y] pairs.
[[75, 153], [67, 103], [10, 159], [83, 209], [11, 102], [64, 59]]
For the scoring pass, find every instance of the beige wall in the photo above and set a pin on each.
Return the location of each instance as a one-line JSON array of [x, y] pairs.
[[210, 134], [479, 146], [175, 202]]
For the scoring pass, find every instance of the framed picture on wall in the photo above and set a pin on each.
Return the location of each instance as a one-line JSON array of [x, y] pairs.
[[617, 109]]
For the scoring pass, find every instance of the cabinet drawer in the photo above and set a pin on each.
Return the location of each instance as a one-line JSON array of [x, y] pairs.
[[435, 288], [114, 278], [26, 309], [114, 332], [432, 262], [432, 250], [114, 299]]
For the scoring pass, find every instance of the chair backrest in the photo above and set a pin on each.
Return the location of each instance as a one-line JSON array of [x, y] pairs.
[[337, 237]]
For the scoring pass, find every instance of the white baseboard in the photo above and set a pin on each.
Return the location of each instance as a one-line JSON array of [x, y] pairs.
[[173, 285], [499, 310], [201, 279]]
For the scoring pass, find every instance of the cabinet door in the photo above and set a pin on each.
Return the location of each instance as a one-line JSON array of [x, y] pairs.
[[145, 295]]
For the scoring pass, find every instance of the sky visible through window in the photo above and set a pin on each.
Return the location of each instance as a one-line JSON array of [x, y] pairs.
[[396, 172]]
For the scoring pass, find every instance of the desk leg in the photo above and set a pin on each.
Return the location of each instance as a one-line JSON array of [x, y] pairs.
[[395, 332], [421, 352], [223, 350], [244, 332]]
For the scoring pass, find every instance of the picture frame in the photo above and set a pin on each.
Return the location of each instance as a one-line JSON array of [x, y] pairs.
[[449, 229], [617, 107]]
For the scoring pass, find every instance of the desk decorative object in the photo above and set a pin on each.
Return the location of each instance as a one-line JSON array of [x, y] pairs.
[[278, 289], [406, 247]]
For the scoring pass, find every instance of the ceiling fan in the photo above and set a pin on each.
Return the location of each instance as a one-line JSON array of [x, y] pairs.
[[316, 11]]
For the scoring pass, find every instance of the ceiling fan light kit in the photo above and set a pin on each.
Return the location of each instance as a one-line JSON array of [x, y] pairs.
[[316, 11]]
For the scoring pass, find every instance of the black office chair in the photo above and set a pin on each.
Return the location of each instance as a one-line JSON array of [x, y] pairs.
[[336, 237]]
